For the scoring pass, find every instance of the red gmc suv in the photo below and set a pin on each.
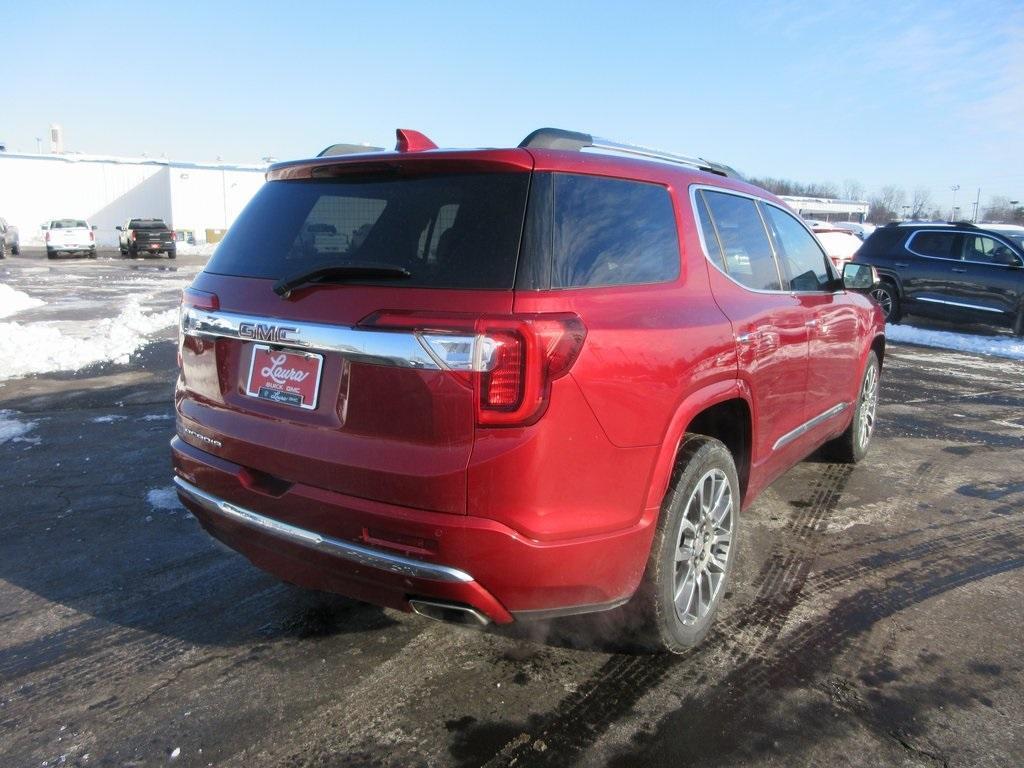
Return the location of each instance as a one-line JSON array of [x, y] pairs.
[[520, 383]]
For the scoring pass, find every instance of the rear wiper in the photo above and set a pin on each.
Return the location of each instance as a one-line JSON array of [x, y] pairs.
[[338, 272]]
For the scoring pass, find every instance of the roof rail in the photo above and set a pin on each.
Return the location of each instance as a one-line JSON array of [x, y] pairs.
[[557, 138], [347, 149]]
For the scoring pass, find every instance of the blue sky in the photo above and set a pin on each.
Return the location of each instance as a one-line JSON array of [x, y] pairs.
[[914, 93]]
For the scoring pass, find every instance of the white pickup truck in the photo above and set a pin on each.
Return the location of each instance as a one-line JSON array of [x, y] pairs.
[[69, 237]]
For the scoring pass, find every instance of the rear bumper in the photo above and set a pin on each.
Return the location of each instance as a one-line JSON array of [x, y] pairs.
[[386, 554]]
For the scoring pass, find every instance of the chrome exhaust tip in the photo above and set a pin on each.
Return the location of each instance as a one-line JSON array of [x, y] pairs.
[[452, 613]]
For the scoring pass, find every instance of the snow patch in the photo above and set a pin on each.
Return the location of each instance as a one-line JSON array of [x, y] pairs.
[[157, 417], [997, 346], [12, 300], [106, 419], [12, 428], [163, 498], [42, 348], [200, 249]]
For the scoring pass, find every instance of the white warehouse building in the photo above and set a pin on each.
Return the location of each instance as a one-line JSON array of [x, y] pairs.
[[107, 191]]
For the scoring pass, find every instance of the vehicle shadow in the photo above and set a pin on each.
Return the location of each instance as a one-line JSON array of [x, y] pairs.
[[90, 522]]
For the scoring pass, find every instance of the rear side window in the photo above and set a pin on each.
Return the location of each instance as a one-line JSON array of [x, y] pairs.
[[68, 224], [611, 232], [936, 244], [746, 252], [146, 224], [803, 262], [447, 230]]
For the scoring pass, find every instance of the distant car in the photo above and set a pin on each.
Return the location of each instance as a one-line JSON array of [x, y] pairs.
[[146, 236], [323, 240], [949, 271], [8, 239], [863, 231], [1014, 232], [839, 244], [69, 237]]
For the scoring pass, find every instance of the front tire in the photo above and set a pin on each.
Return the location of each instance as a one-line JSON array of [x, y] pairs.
[[852, 446], [3, 249], [888, 298], [694, 547]]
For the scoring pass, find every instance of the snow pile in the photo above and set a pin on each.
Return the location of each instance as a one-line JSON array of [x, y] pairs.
[[200, 249], [41, 348], [163, 498], [106, 419], [998, 346], [12, 428], [12, 301]]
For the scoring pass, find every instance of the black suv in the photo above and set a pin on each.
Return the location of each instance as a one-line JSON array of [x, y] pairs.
[[956, 270]]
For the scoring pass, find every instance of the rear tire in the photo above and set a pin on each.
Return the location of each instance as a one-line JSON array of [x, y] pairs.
[[1018, 327], [694, 548], [3, 249], [888, 298], [16, 249], [50, 254], [852, 446], [172, 255]]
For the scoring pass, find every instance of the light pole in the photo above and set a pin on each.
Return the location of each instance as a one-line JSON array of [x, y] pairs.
[[906, 216], [955, 188], [39, 146]]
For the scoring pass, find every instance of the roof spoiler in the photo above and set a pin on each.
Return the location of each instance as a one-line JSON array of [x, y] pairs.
[[574, 141]]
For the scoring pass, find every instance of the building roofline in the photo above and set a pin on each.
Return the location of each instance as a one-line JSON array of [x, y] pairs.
[[160, 161]]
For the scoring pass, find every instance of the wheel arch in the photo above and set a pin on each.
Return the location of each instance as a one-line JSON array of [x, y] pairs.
[[721, 411]]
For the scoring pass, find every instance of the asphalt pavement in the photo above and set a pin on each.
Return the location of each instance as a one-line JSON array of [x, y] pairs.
[[876, 618]]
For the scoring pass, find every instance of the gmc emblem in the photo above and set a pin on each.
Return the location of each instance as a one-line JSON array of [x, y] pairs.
[[267, 332]]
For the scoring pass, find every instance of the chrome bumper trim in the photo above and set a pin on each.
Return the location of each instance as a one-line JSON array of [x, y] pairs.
[[346, 550]]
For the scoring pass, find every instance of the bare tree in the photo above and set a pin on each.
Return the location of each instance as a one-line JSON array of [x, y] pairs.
[[1002, 209], [920, 203], [886, 205], [796, 188], [853, 190]]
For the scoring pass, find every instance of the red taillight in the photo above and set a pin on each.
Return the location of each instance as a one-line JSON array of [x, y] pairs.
[[133, 234], [47, 236], [190, 297], [193, 299], [92, 236], [509, 361], [501, 388]]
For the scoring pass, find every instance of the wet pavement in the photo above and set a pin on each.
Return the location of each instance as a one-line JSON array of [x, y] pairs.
[[876, 618]]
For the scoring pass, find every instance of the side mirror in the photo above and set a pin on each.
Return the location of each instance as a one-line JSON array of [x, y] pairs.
[[118, 228], [94, 227], [859, 277], [43, 226]]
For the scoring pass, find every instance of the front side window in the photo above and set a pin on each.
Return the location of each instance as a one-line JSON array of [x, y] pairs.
[[611, 232], [938, 245], [746, 253], [804, 264], [988, 250]]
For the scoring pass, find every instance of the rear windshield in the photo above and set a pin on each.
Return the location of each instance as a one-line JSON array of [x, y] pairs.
[[146, 224], [448, 231], [67, 223]]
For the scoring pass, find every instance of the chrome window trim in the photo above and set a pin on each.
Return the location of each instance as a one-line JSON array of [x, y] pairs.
[[695, 188], [963, 261], [346, 550], [960, 304], [810, 424], [404, 349]]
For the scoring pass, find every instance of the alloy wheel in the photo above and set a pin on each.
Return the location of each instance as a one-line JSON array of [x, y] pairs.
[[702, 552], [884, 299], [868, 405]]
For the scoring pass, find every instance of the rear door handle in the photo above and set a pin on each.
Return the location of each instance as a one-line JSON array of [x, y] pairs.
[[811, 323], [749, 337], [960, 270], [900, 264]]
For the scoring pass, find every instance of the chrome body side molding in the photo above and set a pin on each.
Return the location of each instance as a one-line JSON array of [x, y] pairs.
[[807, 426]]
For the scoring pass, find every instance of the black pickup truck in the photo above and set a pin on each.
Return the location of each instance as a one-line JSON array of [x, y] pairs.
[[139, 236]]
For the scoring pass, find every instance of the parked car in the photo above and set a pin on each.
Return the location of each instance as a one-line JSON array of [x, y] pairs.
[[319, 239], [839, 244], [69, 237], [863, 231], [146, 236], [949, 271], [8, 239], [536, 383], [1014, 232]]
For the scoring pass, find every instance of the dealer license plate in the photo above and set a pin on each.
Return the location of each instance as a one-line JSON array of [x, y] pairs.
[[292, 378]]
